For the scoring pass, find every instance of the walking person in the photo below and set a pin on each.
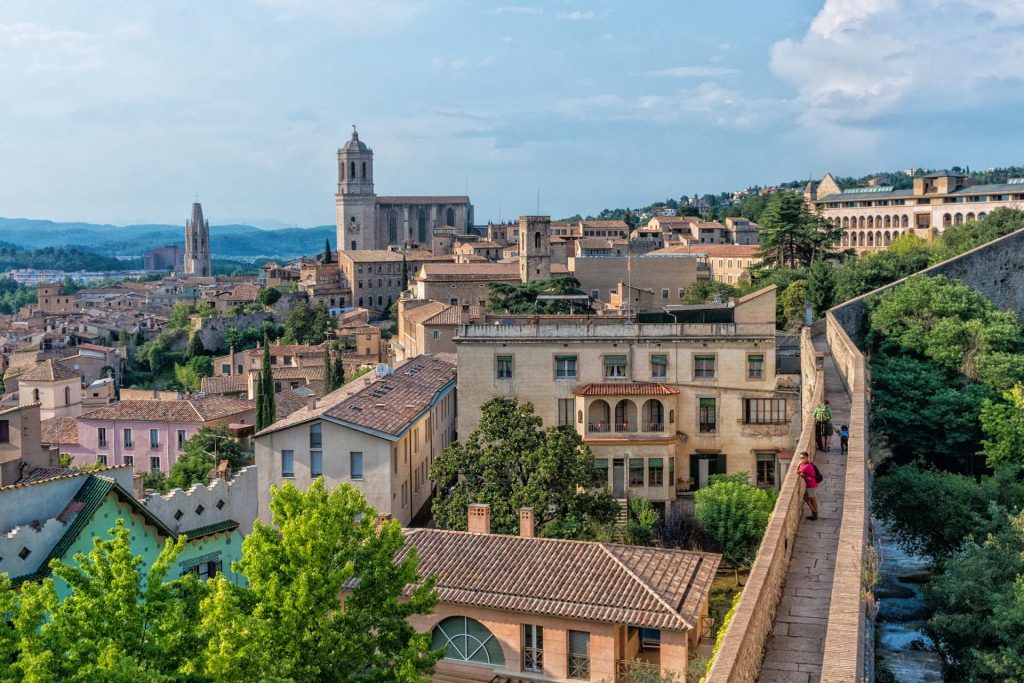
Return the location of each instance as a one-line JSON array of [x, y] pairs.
[[811, 477], [822, 416], [844, 440]]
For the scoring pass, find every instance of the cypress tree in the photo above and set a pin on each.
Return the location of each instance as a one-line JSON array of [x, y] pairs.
[[405, 273], [265, 404], [330, 382], [328, 258], [339, 370], [195, 346]]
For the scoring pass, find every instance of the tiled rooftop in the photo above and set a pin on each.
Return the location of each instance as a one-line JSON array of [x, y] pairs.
[[625, 389], [184, 410]]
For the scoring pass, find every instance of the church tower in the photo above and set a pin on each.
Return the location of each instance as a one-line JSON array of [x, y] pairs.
[[355, 203], [534, 248], [198, 260]]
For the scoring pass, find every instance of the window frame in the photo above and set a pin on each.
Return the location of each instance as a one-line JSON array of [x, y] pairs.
[[750, 369], [129, 439], [500, 362], [287, 458], [567, 358], [766, 458], [765, 411], [533, 654], [316, 436], [702, 415], [662, 364], [578, 663], [606, 364], [700, 373], [316, 463], [352, 460]]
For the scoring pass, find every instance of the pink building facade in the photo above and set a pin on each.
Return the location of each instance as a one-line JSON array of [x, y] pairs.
[[152, 437]]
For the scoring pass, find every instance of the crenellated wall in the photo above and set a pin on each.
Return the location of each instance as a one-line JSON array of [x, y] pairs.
[[739, 656], [220, 500], [36, 538]]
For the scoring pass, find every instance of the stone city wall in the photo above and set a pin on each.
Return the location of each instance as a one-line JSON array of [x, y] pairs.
[[739, 656], [211, 330], [235, 499]]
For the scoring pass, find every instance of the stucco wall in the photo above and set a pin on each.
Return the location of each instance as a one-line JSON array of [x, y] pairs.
[[239, 497]]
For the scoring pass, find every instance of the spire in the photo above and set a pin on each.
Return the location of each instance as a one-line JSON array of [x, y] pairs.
[[197, 215]]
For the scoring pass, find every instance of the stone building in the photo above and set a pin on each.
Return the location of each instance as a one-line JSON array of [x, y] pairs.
[[168, 257], [663, 401], [368, 221], [667, 274], [198, 260], [379, 433], [871, 217]]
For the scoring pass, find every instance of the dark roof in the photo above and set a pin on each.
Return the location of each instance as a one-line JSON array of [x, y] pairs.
[[210, 529], [584, 580]]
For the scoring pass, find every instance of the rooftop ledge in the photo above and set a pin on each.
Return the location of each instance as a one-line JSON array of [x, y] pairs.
[[599, 330]]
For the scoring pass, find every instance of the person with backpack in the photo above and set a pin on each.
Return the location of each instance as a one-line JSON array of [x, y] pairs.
[[822, 420], [812, 477]]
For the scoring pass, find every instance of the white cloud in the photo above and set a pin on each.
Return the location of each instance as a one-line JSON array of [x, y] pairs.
[[518, 9], [578, 15], [459, 64], [507, 39], [860, 59], [693, 71], [32, 49]]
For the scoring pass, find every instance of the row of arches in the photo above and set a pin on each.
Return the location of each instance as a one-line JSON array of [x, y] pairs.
[[602, 418], [960, 219], [871, 222], [867, 238]]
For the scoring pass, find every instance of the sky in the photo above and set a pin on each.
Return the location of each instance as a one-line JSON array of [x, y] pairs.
[[124, 112]]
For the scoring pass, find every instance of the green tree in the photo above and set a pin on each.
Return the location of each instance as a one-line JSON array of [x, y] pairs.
[[792, 304], [328, 254], [510, 462], [189, 379], [330, 383], [156, 354], [1002, 221], [704, 291], [1003, 425], [339, 370], [821, 285], [289, 620], [504, 297], [642, 520], [204, 309], [405, 272], [791, 236], [219, 444], [734, 515], [268, 296], [122, 338], [861, 274], [195, 346], [180, 317], [189, 469], [233, 338], [307, 324], [120, 623], [266, 407]]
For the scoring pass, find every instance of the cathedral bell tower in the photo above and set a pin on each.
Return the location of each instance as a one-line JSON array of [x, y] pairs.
[[355, 201]]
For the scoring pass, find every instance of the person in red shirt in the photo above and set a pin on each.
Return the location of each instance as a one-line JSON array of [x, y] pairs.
[[807, 471]]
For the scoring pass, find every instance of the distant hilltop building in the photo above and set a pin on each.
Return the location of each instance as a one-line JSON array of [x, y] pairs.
[[871, 217], [367, 221], [169, 257], [198, 260]]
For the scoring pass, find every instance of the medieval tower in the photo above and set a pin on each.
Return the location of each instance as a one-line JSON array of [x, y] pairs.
[[198, 260], [534, 248], [355, 202]]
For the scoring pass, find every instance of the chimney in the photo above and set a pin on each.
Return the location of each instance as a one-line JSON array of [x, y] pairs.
[[526, 522], [311, 402], [224, 470], [464, 314], [381, 520], [479, 521]]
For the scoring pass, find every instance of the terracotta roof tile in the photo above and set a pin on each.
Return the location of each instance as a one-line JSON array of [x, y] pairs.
[[625, 389], [589, 581], [49, 371], [227, 384], [185, 410], [61, 431]]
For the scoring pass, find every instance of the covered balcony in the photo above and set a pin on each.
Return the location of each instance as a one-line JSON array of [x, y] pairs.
[[624, 410]]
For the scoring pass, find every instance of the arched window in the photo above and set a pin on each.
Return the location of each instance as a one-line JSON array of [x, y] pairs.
[[981, 216], [888, 221], [904, 222], [67, 396], [878, 238], [353, 245], [871, 239], [536, 240], [392, 227], [970, 217], [364, 170], [654, 416], [888, 238], [958, 219], [450, 215], [599, 415], [625, 416], [871, 221], [352, 170], [467, 640], [947, 220], [421, 225], [846, 221]]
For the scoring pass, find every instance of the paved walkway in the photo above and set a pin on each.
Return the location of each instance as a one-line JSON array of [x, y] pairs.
[[794, 650]]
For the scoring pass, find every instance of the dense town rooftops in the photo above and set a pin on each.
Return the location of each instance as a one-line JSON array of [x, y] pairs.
[[584, 580], [185, 410], [385, 406]]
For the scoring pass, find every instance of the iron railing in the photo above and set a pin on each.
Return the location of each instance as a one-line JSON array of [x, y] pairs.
[[626, 671], [579, 666]]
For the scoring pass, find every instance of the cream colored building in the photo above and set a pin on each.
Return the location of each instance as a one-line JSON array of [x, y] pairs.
[[663, 402], [667, 274], [728, 263], [20, 448], [55, 387], [428, 327], [377, 433], [871, 217]]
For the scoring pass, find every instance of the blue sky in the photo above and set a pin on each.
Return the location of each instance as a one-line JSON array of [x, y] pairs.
[[121, 111]]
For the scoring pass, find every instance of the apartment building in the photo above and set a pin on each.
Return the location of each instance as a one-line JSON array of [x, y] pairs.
[[872, 216], [728, 263], [666, 273], [663, 401], [379, 433]]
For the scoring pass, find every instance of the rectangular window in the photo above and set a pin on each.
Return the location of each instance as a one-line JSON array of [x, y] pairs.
[[708, 417], [595, 294], [404, 483], [394, 458], [435, 334], [101, 436], [655, 472], [129, 460], [579, 655], [715, 465], [659, 366], [287, 463], [355, 464], [101, 459], [764, 411], [315, 437], [154, 438], [566, 407], [127, 438], [766, 470], [565, 367], [682, 292], [225, 368], [154, 463], [504, 367], [664, 294], [182, 438], [636, 471], [316, 463], [533, 648], [704, 367], [755, 366], [205, 570], [615, 367]]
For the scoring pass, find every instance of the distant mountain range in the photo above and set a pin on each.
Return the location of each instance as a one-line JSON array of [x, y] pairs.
[[243, 242]]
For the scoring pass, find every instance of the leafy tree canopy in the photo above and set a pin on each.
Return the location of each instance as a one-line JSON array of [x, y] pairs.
[[733, 515], [510, 462], [503, 297]]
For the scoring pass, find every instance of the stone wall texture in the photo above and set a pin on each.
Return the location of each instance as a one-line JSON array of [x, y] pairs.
[[739, 656], [211, 330]]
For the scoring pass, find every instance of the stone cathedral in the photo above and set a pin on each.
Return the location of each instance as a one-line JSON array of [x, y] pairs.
[[368, 221]]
